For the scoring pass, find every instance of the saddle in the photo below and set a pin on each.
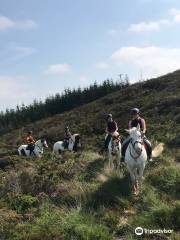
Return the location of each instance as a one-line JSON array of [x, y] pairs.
[[30, 147]]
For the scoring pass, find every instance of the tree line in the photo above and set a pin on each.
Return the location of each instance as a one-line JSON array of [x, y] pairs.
[[59, 103]]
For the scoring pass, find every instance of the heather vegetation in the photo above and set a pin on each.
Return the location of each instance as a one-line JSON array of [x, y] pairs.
[[75, 197]]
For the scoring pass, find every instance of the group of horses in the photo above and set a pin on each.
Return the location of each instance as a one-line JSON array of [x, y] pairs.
[[135, 156], [73, 144]]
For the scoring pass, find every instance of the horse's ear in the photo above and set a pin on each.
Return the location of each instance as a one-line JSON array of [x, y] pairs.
[[138, 127], [128, 131]]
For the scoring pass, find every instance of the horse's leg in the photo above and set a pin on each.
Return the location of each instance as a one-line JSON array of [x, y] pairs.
[[136, 184], [118, 159], [141, 171], [36, 154], [110, 159], [133, 178]]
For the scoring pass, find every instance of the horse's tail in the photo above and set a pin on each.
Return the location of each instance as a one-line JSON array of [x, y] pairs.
[[158, 150]]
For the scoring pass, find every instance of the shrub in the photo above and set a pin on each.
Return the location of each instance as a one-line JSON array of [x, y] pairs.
[[22, 203], [162, 217], [55, 224], [166, 179]]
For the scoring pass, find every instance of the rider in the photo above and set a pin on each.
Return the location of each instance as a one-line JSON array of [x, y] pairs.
[[67, 136], [136, 119], [30, 142], [112, 127]]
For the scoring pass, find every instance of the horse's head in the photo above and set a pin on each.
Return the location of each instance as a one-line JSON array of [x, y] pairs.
[[136, 138], [77, 141], [44, 143]]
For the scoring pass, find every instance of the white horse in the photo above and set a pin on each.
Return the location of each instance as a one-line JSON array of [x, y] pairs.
[[73, 145], [38, 149], [136, 157], [114, 147]]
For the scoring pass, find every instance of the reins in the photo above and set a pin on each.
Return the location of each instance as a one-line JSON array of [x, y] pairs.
[[133, 145]]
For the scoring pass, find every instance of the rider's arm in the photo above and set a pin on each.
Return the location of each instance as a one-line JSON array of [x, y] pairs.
[[107, 128], [116, 127], [31, 140], [129, 125], [143, 126]]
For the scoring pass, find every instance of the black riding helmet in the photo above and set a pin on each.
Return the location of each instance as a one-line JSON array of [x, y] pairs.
[[29, 132], [135, 111]]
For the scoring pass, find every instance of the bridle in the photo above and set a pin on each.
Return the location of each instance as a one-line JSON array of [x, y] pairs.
[[115, 143], [41, 151], [133, 146]]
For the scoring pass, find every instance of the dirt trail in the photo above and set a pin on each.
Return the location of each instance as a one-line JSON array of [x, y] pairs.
[[158, 150]]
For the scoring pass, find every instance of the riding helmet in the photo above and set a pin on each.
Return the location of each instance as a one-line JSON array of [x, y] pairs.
[[135, 111]]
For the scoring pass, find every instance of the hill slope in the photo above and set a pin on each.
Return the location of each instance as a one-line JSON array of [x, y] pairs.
[[77, 199]]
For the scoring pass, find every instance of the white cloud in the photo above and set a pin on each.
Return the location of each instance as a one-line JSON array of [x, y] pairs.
[[58, 69], [9, 24], [24, 51], [148, 26], [102, 65], [13, 86], [6, 23], [153, 61], [17, 89], [176, 14], [26, 24], [145, 26]]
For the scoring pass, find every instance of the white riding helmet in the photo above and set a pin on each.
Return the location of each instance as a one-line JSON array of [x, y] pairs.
[[135, 111]]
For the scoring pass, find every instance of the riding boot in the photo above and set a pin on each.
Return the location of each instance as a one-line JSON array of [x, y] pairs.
[[66, 143], [107, 140], [31, 151], [149, 149], [150, 154], [124, 147]]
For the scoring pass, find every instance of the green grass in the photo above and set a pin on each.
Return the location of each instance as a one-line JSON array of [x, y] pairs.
[[73, 197], [62, 224]]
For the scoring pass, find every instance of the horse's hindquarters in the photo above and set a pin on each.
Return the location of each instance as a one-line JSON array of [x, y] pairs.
[[58, 147]]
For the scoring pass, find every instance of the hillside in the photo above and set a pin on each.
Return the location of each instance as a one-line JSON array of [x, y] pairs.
[[76, 198], [56, 104]]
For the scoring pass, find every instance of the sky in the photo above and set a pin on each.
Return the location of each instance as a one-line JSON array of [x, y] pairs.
[[49, 45]]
